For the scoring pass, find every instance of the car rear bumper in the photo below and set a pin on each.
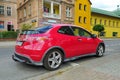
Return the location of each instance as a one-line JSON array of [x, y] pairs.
[[24, 59]]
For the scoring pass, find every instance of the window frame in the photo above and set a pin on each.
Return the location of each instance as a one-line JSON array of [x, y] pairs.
[[68, 11], [2, 11], [9, 11]]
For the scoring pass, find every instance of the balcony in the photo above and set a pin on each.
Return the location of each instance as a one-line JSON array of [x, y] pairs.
[[52, 9], [49, 15]]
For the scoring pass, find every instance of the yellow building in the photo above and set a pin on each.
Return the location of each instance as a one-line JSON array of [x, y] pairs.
[[108, 19], [83, 13]]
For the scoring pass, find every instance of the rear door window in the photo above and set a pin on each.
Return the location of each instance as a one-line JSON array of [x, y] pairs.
[[65, 30]]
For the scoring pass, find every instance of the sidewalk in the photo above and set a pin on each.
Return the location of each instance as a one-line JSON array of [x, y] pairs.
[[7, 43]]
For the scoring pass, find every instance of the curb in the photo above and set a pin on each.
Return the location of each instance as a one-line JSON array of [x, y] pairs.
[[50, 74]]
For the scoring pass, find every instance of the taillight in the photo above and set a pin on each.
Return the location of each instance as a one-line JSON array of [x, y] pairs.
[[42, 38]]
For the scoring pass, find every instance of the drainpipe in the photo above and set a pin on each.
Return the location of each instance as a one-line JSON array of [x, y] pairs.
[[38, 13]]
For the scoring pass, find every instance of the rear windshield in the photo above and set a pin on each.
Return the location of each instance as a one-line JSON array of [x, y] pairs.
[[37, 31], [44, 29], [29, 32]]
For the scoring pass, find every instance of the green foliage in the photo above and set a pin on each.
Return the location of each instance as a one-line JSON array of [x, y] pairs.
[[98, 28], [26, 27], [8, 34]]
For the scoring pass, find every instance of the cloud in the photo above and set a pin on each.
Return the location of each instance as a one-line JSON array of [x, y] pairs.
[[109, 5]]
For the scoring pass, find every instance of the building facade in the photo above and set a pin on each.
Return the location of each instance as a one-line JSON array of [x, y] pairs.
[[8, 15], [83, 13], [43, 12], [110, 20]]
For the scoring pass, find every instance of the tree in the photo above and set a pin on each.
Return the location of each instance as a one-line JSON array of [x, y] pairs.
[[26, 27], [99, 28]]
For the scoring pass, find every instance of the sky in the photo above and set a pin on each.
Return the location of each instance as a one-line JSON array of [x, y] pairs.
[[109, 5]]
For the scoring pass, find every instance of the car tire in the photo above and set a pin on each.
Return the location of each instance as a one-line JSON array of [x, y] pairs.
[[100, 51], [53, 59]]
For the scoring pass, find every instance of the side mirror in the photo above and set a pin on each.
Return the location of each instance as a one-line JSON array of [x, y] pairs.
[[94, 36]]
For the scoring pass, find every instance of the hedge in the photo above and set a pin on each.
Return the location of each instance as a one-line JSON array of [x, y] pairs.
[[8, 34]]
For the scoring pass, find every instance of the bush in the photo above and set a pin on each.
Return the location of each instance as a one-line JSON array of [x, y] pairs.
[[26, 27], [8, 34]]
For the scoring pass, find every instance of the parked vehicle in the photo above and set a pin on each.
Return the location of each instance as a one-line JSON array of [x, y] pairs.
[[51, 45]]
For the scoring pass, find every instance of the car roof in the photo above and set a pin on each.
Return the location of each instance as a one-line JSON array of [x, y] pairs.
[[55, 25], [61, 25]]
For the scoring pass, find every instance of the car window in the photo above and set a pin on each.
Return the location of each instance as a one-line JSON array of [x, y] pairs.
[[65, 30], [28, 32], [80, 32], [44, 29]]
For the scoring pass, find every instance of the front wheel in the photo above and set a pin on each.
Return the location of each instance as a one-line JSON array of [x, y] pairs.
[[100, 51], [53, 59]]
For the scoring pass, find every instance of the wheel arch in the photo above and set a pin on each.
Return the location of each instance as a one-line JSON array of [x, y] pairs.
[[103, 44], [52, 48]]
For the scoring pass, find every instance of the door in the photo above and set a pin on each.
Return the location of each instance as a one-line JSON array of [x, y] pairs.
[[85, 43]]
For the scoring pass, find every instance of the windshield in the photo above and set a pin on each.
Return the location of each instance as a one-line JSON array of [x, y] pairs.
[[29, 32]]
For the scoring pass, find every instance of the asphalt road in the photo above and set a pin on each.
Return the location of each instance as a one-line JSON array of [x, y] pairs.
[[10, 70]]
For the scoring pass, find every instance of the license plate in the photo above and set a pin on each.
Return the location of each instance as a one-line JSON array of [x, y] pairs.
[[19, 43]]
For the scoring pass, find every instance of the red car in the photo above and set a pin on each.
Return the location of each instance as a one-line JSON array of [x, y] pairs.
[[51, 45]]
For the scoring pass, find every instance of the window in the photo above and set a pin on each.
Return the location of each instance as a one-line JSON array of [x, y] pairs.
[[25, 14], [100, 21], [109, 23], [85, 20], [85, 7], [46, 10], [113, 23], [65, 30], [1, 24], [80, 32], [9, 11], [95, 21], [80, 6], [30, 9], [2, 10], [115, 34], [79, 19], [105, 22], [68, 11], [117, 24], [91, 21]]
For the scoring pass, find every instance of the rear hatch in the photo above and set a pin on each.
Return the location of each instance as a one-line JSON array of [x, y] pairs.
[[30, 36]]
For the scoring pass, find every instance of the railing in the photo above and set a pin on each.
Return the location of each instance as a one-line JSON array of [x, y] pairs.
[[49, 15]]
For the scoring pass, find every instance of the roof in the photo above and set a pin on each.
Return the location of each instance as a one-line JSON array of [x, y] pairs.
[[90, 1], [104, 12]]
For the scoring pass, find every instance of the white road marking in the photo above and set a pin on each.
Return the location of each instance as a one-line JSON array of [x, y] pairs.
[[73, 64]]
